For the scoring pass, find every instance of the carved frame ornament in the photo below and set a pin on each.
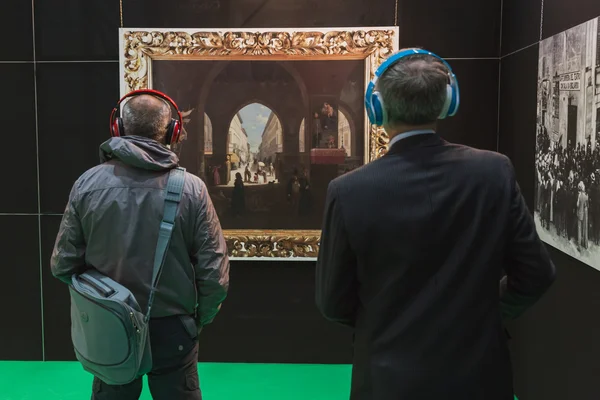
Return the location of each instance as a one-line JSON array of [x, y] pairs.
[[138, 48]]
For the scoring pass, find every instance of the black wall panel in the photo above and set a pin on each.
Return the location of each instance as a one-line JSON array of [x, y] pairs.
[[18, 125], [76, 30], [16, 30], [57, 312], [74, 105], [518, 115], [560, 15], [520, 24], [270, 316], [466, 28], [20, 290], [476, 123], [257, 13], [555, 350]]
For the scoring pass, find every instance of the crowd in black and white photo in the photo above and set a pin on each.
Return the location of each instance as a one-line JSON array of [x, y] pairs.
[[568, 190]]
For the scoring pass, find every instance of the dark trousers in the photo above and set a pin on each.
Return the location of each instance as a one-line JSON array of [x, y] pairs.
[[174, 374]]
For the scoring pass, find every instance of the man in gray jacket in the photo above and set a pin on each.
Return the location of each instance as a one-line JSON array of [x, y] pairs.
[[111, 223]]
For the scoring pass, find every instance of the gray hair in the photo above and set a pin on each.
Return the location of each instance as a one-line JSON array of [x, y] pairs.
[[414, 90], [147, 116]]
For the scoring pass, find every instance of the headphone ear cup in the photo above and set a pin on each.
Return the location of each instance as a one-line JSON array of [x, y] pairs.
[[455, 100], [173, 132], [116, 129], [379, 112], [447, 102], [176, 135], [369, 108]]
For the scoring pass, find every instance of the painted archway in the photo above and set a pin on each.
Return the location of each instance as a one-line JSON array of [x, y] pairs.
[[255, 139], [345, 132]]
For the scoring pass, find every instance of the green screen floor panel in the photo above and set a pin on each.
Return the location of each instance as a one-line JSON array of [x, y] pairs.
[[68, 381]]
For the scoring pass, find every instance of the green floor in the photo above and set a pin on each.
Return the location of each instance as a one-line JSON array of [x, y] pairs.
[[67, 381]]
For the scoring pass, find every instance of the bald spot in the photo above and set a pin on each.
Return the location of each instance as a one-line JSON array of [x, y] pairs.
[[148, 103], [146, 116]]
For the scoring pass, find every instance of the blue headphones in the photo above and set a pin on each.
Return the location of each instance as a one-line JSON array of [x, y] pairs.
[[374, 101]]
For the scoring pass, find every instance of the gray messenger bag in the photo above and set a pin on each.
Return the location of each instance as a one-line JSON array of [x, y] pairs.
[[108, 328]]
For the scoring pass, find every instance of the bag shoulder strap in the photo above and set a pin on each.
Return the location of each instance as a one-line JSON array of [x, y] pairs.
[[173, 193]]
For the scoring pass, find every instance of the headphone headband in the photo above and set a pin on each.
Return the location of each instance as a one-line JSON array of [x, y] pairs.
[[174, 128], [405, 53], [374, 101]]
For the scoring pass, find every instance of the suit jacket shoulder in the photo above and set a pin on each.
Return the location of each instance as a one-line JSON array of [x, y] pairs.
[[474, 162]]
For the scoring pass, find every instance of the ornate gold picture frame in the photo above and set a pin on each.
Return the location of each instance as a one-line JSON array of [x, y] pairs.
[[141, 48]]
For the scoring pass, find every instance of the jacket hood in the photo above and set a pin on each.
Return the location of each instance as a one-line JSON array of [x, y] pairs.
[[139, 152]]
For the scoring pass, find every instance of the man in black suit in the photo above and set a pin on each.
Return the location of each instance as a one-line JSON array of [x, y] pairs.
[[413, 249]]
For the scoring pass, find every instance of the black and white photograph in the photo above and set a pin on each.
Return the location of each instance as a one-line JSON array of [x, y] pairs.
[[567, 179]]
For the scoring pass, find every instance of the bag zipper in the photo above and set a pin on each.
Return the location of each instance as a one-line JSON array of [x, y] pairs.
[[135, 326]]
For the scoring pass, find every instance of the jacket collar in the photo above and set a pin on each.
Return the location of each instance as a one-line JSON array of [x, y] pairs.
[[432, 139]]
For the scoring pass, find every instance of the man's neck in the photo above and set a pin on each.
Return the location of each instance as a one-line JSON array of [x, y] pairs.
[[400, 129]]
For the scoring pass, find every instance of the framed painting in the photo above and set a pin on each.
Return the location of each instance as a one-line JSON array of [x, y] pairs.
[[271, 116]]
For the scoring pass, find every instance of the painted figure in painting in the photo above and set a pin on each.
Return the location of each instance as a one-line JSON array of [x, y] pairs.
[[228, 169], [216, 173], [325, 127], [306, 199], [238, 202], [317, 130], [294, 194]]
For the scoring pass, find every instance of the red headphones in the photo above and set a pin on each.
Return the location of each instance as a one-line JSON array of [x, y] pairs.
[[173, 130]]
